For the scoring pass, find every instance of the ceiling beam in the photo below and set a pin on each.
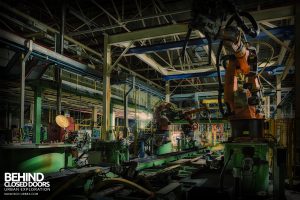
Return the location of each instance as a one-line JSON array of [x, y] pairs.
[[147, 59], [81, 17], [47, 28], [158, 32], [149, 33], [268, 15], [286, 32], [151, 62], [268, 24], [273, 14], [126, 21]]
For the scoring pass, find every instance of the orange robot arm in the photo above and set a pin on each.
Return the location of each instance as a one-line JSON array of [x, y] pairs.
[[240, 97]]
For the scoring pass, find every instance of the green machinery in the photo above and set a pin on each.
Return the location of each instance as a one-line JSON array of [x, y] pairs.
[[164, 148], [248, 162], [45, 158], [114, 152], [185, 144], [246, 155]]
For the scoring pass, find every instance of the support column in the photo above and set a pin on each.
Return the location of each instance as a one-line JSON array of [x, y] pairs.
[[94, 115], [112, 116], [278, 95], [22, 103], [148, 102], [168, 91], [267, 107], [126, 95], [22, 92], [31, 117], [58, 80], [106, 88], [135, 131], [197, 105], [37, 115], [60, 48], [297, 87]]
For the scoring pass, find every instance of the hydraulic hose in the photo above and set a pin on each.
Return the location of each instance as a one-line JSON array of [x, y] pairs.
[[253, 32], [221, 90], [223, 170], [186, 40]]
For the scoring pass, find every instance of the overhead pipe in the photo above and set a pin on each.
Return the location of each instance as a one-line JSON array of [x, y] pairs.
[[29, 44], [126, 95], [17, 42]]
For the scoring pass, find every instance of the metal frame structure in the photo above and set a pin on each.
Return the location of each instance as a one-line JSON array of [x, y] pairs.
[[145, 41], [266, 16], [126, 40]]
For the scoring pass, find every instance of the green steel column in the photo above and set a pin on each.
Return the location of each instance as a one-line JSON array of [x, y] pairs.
[[31, 117], [23, 78], [37, 115], [106, 88]]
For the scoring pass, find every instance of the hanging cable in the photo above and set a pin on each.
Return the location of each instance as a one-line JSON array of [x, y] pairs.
[[221, 184]]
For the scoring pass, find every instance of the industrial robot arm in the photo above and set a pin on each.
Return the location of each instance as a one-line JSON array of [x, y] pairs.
[[209, 18], [242, 89]]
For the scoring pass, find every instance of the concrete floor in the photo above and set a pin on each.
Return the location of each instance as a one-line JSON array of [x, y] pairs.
[[293, 193], [210, 188]]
